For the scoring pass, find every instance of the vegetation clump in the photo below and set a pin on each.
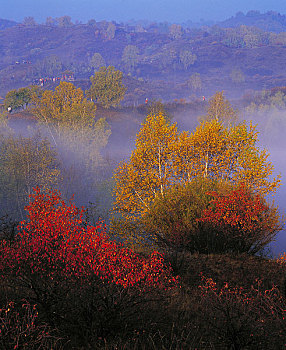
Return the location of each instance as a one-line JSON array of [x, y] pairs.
[[183, 264], [166, 167]]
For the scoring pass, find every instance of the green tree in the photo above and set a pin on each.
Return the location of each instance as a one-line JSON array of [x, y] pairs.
[[277, 38], [97, 61], [50, 21], [208, 216], [17, 99], [237, 76], [175, 31], [110, 30], [158, 108], [195, 82], [233, 37], [25, 162], [29, 21], [64, 21], [187, 58], [91, 22], [48, 67], [107, 87], [12, 100], [172, 220], [166, 58], [130, 57], [251, 40], [4, 128]]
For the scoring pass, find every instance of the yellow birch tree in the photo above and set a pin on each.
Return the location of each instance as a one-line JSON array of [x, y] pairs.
[[224, 153], [150, 169], [220, 109], [163, 157]]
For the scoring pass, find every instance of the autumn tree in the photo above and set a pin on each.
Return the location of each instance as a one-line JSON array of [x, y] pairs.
[[107, 87], [97, 61], [79, 248], [64, 107], [163, 157], [237, 76], [195, 82], [130, 57], [229, 153], [70, 119], [150, 169], [110, 30], [25, 162], [187, 58], [175, 31], [221, 109]]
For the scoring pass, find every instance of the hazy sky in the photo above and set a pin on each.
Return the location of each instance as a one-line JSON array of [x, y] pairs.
[[121, 10]]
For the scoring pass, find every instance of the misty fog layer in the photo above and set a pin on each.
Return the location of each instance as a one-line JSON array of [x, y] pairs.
[[271, 125], [86, 170]]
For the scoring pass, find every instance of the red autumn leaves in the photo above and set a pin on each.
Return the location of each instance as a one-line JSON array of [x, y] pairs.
[[55, 243], [242, 218]]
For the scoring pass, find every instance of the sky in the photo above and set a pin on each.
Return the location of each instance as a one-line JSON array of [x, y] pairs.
[[174, 11]]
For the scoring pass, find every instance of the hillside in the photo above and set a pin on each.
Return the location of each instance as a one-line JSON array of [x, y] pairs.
[[5, 23], [269, 21], [159, 62]]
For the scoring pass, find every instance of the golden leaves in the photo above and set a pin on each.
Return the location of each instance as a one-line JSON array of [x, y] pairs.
[[163, 157], [66, 106], [107, 87]]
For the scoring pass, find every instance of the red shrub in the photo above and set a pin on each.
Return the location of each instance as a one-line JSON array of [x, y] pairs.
[[243, 221], [20, 329], [241, 318], [55, 243], [282, 259]]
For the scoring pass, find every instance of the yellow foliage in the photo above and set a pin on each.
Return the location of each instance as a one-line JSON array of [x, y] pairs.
[[225, 153], [70, 119], [163, 157], [150, 169], [220, 109], [66, 106], [107, 87]]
